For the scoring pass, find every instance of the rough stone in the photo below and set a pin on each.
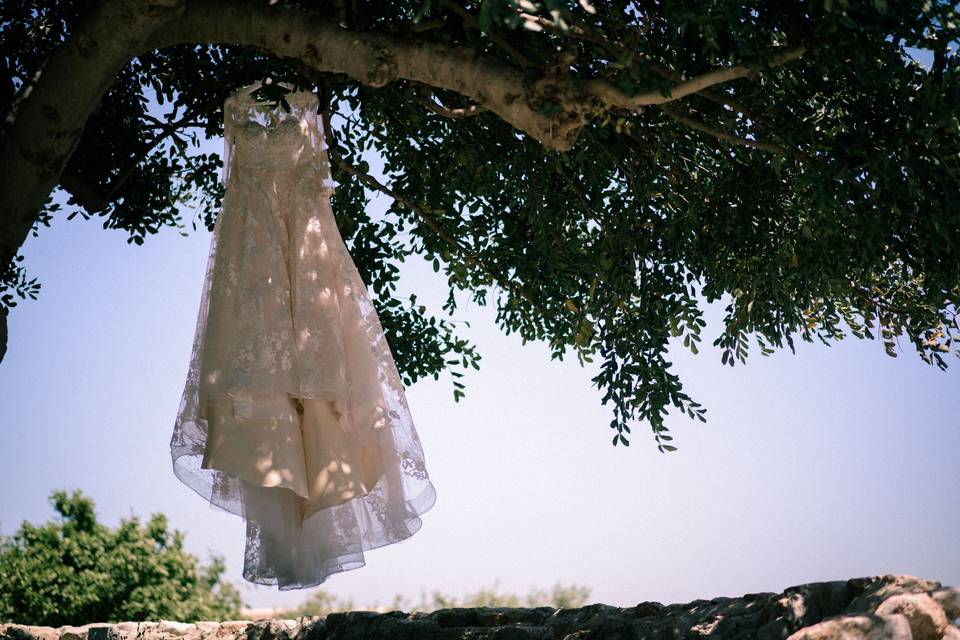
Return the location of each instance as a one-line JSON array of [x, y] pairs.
[[99, 631], [865, 626], [26, 632], [73, 633], [877, 608], [171, 628], [926, 617], [871, 592], [124, 631], [952, 633], [949, 599], [207, 629]]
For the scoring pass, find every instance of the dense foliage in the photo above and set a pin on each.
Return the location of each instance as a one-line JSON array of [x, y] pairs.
[[816, 198], [75, 570]]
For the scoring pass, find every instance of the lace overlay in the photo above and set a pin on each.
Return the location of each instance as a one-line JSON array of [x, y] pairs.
[[293, 415]]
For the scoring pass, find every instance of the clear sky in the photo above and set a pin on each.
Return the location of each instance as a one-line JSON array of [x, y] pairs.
[[829, 464]]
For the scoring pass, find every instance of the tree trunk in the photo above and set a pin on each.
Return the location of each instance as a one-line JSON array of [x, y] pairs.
[[48, 122]]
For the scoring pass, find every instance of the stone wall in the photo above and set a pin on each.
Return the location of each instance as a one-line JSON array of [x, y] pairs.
[[887, 607]]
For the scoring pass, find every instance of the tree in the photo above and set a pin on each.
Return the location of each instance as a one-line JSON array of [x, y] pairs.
[[74, 570], [558, 596], [596, 171]]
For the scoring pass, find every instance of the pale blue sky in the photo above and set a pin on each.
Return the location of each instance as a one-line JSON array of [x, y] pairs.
[[833, 463]]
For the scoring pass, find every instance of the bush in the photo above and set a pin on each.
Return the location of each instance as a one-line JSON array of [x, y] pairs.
[[74, 570]]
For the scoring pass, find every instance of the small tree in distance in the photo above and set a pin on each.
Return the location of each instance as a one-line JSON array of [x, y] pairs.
[[322, 603], [558, 596], [75, 570]]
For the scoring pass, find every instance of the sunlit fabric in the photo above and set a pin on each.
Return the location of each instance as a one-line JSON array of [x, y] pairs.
[[293, 415]]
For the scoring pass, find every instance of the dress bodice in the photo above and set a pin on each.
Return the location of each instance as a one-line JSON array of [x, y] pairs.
[[262, 138]]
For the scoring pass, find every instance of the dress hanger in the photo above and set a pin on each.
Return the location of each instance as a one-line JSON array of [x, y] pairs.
[[250, 88], [246, 92]]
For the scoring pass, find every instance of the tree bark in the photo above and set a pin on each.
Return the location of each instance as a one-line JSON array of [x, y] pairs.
[[376, 59], [54, 109]]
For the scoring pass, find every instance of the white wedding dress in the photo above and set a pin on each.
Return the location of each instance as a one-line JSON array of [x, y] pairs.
[[293, 415]]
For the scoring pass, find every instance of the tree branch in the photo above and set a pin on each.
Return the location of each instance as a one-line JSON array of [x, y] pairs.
[[48, 127], [612, 96], [50, 120], [94, 199], [587, 33], [491, 33], [699, 84], [84, 193], [469, 254], [732, 139], [430, 103], [375, 59], [376, 185]]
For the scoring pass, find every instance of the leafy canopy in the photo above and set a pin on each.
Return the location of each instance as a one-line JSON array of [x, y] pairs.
[[75, 570], [817, 198]]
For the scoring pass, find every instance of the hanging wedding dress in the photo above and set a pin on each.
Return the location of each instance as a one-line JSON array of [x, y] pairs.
[[293, 415]]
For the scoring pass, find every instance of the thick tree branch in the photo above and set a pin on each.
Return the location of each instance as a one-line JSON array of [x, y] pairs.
[[376, 59], [722, 99], [698, 85], [430, 24]]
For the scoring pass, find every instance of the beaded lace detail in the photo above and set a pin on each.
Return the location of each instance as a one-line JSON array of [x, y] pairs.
[[285, 318]]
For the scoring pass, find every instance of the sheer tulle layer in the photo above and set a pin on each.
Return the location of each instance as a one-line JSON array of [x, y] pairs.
[[294, 416]]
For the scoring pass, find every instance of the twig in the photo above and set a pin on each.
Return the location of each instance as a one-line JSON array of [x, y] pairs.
[[367, 179], [491, 33], [95, 200]]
